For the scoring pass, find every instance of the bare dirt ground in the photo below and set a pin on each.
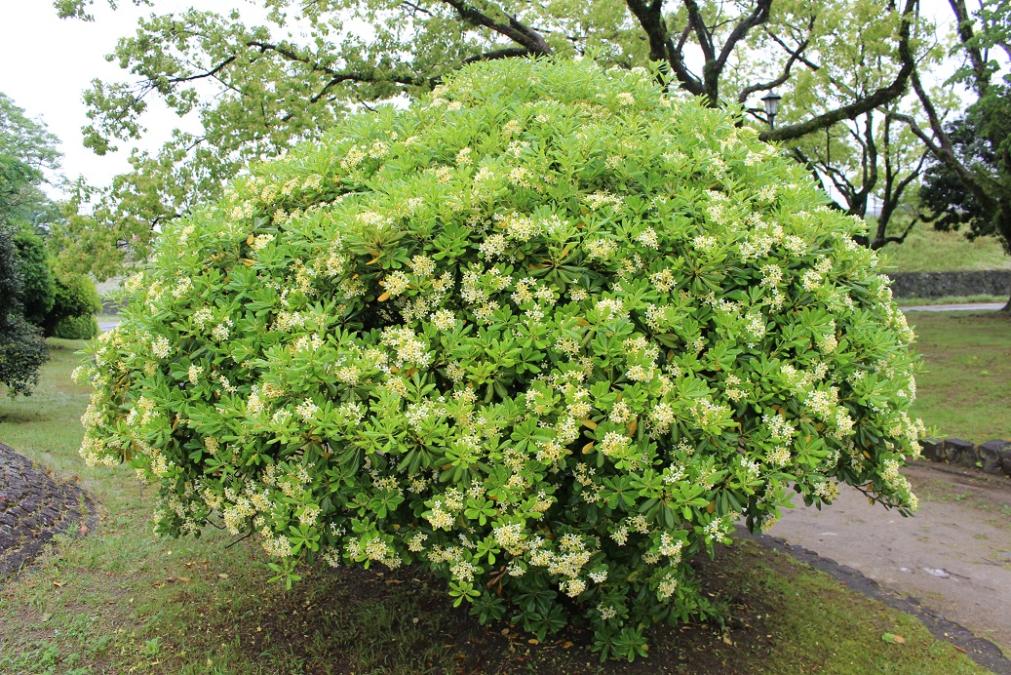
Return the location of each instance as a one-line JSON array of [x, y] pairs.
[[954, 556]]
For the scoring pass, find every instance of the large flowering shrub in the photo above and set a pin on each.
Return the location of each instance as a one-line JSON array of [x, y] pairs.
[[547, 333]]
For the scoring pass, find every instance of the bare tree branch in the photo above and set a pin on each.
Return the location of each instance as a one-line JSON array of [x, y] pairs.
[[417, 9], [963, 20], [881, 239], [362, 77], [504, 53], [514, 30], [702, 32], [336, 77], [858, 107], [199, 76], [800, 57], [661, 46], [758, 16], [795, 55]]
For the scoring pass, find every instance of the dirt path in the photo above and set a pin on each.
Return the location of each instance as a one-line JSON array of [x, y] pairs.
[[954, 555]]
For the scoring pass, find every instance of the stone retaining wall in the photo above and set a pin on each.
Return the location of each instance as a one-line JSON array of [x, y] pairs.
[[940, 284], [992, 457]]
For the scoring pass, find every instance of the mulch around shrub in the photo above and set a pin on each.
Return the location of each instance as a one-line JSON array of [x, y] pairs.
[[34, 507]]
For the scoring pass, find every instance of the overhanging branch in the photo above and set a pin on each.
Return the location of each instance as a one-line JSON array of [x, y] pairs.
[[758, 16], [795, 55], [873, 100], [513, 29]]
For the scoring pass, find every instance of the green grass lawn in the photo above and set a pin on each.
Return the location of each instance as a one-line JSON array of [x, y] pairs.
[[964, 388], [927, 250], [120, 600]]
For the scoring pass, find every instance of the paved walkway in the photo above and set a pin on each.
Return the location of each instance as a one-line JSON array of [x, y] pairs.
[[967, 307], [954, 555], [104, 326]]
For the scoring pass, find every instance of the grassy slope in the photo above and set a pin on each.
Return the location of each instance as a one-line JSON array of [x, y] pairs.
[[927, 250], [963, 387], [120, 600]]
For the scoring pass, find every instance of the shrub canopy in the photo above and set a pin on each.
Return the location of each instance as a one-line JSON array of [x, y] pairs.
[[547, 332]]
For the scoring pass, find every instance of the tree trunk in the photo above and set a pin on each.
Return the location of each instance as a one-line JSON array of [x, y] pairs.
[[1007, 307]]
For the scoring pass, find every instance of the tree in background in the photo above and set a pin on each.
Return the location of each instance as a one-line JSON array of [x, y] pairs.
[[31, 151], [22, 350], [968, 182], [34, 296], [981, 142], [38, 285], [26, 150], [259, 87], [869, 163], [75, 304]]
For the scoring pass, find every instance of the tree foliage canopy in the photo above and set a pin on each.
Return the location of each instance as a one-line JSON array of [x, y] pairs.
[[38, 287], [969, 179], [283, 71], [22, 350], [981, 141], [27, 150]]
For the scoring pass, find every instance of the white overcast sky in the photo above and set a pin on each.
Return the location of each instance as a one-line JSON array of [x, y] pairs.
[[48, 63]]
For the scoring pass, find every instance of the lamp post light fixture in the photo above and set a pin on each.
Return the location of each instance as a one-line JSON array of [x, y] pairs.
[[771, 101]]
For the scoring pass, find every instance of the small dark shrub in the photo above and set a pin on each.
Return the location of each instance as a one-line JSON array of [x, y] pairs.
[[75, 296], [80, 327]]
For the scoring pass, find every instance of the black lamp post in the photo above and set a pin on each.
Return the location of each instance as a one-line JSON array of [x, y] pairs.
[[771, 101]]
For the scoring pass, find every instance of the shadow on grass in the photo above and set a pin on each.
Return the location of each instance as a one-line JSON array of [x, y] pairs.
[[781, 617], [22, 417], [351, 620]]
